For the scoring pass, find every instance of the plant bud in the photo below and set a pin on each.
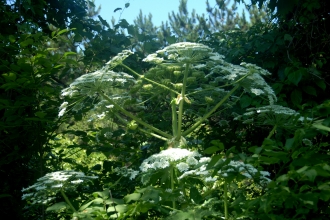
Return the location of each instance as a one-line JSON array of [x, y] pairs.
[[166, 81], [178, 86], [208, 100], [132, 125], [147, 87], [177, 73]]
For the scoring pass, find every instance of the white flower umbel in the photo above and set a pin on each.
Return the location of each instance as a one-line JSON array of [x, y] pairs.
[[127, 172], [271, 115], [165, 158], [183, 52], [46, 187], [115, 61], [247, 170], [89, 85]]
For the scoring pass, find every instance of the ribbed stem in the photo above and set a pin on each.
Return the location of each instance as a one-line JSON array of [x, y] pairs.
[[271, 133], [149, 80], [174, 116], [67, 201], [183, 94], [172, 184], [225, 198]]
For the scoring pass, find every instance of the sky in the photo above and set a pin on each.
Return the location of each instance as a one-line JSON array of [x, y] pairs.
[[158, 8]]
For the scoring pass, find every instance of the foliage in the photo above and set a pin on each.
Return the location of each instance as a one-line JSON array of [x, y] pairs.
[[164, 131]]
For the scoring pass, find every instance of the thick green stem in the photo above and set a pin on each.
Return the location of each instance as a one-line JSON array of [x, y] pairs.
[[225, 200], [67, 201], [183, 93], [174, 116], [271, 133], [200, 121], [149, 80], [128, 114], [172, 184]]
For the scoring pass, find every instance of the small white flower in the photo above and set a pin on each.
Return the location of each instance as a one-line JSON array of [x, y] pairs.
[[61, 113], [77, 181], [192, 161], [152, 58], [133, 175], [257, 91], [204, 160], [210, 179], [64, 105], [265, 173], [57, 186], [38, 188], [168, 190], [182, 167], [100, 116]]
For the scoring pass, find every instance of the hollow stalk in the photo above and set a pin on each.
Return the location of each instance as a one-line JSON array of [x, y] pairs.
[[183, 93], [67, 200]]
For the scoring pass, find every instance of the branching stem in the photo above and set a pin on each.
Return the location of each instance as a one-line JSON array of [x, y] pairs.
[[67, 200], [200, 121], [138, 120], [149, 80]]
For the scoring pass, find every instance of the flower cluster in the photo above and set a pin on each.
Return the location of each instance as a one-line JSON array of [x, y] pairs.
[[89, 85], [126, 172], [166, 157], [49, 185], [271, 115], [246, 75], [247, 170], [116, 60], [183, 52]]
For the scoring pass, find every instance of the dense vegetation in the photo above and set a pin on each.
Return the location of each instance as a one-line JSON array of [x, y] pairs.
[[206, 117]]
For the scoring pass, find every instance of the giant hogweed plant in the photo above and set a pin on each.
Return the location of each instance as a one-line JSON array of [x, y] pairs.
[[196, 83]]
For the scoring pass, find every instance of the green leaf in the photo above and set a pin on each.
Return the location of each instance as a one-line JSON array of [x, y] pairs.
[[287, 37], [40, 114], [5, 195], [10, 77], [295, 77], [320, 83], [282, 178], [310, 90], [132, 197], [83, 207], [296, 97], [12, 38], [289, 143], [321, 127], [311, 174], [127, 5], [118, 208], [211, 150], [69, 54], [245, 101], [195, 195], [57, 206], [62, 31], [117, 9], [26, 42], [213, 161]]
